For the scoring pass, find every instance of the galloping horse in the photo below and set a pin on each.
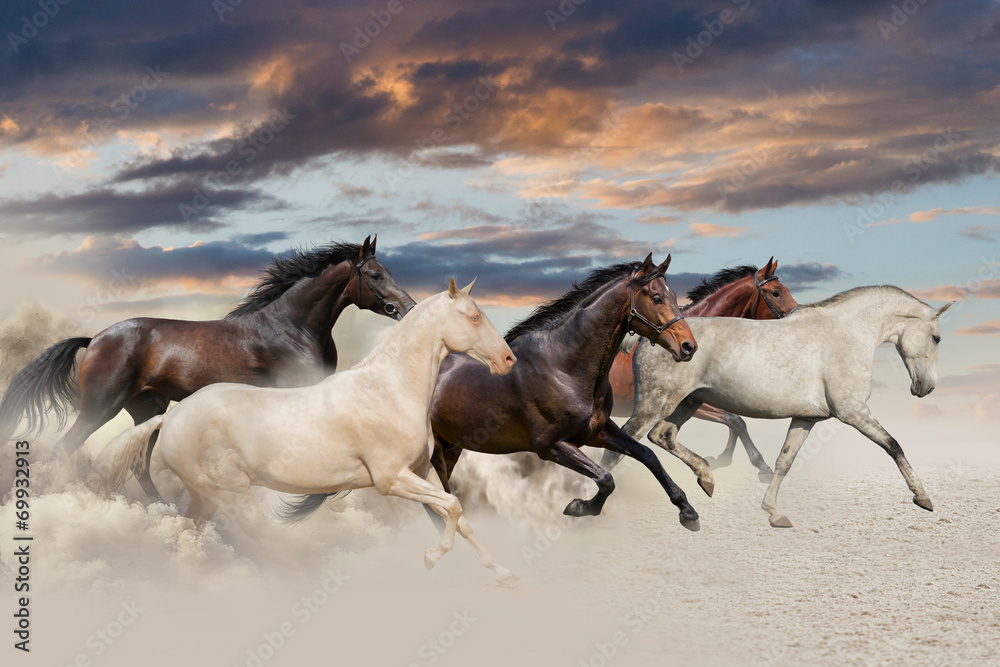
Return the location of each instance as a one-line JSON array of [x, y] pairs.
[[557, 398], [367, 426], [823, 370], [742, 291], [279, 336]]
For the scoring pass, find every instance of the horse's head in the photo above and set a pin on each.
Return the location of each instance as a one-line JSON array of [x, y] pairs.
[[374, 288], [654, 313], [917, 344], [467, 329], [771, 299]]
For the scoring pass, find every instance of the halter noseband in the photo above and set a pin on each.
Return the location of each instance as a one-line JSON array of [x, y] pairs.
[[389, 308], [635, 314], [762, 295]]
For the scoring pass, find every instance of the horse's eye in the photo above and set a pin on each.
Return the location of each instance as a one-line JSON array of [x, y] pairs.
[[776, 293], [657, 298], [376, 276], [475, 318], [937, 339]]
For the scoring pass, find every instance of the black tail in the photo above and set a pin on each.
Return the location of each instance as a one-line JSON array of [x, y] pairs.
[[293, 511], [45, 384]]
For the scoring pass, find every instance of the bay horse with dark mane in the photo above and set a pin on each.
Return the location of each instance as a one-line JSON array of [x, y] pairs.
[[741, 291], [557, 398], [278, 336]]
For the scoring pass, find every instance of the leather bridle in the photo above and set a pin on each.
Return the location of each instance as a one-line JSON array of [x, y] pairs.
[[390, 309], [761, 294], [635, 314]]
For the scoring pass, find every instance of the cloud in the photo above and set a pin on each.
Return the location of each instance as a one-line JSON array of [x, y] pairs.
[[260, 239], [991, 328], [980, 233], [807, 274], [111, 211], [986, 289], [709, 231], [934, 213]]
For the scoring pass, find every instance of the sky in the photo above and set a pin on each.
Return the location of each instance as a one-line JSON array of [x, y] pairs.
[[154, 157]]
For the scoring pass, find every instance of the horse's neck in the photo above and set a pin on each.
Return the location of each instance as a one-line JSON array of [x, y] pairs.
[[879, 316], [409, 356], [732, 300], [594, 332], [314, 304]]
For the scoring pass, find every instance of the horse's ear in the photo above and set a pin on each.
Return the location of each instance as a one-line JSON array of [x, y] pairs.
[[365, 247], [666, 263], [374, 241], [770, 268], [452, 287], [647, 264], [468, 288], [940, 311]]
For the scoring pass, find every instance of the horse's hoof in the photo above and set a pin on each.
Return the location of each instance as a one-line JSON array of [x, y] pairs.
[[507, 579], [923, 501], [581, 508], [431, 557], [707, 485], [780, 521], [693, 525]]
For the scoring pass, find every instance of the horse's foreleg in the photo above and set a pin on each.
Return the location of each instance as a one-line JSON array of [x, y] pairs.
[[645, 413], [798, 430], [504, 576], [664, 434], [863, 421], [570, 456], [411, 486], [614, 439]]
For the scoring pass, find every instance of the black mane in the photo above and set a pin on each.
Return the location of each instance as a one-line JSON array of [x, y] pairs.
[[287, 270], [549, 314], [719, 280]]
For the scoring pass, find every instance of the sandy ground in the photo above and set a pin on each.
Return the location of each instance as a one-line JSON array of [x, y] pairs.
[[864, 577]]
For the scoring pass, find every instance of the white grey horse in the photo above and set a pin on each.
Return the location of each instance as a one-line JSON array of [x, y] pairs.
[[810, 366]]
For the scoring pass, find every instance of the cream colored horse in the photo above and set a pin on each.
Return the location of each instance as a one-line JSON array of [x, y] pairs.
[[367, 426]]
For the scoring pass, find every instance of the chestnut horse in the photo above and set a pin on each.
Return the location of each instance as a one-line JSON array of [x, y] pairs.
[[556, 399], [279, 336], [742, 291]]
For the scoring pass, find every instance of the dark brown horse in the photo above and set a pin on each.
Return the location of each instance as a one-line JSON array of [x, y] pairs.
[[278, 336], [742, 291], [557, 399]]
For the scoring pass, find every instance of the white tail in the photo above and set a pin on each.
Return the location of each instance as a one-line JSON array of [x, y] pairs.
[[121, 456]]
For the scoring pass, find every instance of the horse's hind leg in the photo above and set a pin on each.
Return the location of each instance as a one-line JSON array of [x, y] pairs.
[[737, 430], [664, 434], [570, 456], [504, 576], [146, 405], [798, 430], [411, 486], [614, 439], [863, 421]]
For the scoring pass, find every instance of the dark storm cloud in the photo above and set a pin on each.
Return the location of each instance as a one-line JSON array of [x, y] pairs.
[[109, 211]]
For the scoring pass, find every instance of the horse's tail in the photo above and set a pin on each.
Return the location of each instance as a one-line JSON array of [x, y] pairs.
[[45, 384], [121, 456], [293, 511], [629, 344]]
